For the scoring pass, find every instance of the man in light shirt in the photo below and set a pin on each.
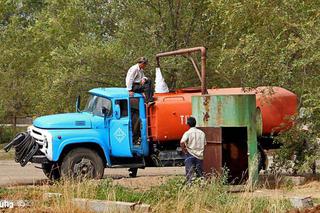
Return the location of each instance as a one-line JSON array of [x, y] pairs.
[[137, 82], [192, 143]]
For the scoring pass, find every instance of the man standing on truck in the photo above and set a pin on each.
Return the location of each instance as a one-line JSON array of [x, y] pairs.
[[192, 144], [137, 82]]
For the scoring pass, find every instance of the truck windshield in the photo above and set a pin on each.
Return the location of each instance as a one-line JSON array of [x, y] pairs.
[[95, 103]]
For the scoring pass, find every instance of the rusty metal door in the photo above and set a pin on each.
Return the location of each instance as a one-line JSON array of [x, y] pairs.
[[212, 162]]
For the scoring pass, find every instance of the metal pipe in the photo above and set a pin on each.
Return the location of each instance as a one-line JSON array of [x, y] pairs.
[[196, 68], [186, 51]]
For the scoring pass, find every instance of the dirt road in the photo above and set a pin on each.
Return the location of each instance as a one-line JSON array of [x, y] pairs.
[[12, 173]]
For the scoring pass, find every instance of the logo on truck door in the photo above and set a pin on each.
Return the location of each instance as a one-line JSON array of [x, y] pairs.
[[119, 135]]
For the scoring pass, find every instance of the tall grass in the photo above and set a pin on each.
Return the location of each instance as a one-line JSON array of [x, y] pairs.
[[173, 196]]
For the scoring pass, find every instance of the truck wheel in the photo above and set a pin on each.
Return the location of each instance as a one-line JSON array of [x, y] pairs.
[[156, 161], [133, 172], [82, 163], [51, 171]]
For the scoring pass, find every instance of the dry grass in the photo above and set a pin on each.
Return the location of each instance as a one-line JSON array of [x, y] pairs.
[[172, 196], [6, 155], [56, 204]]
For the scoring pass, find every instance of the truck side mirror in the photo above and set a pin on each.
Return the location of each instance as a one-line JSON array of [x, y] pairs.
[[117, 112], [78, 103]]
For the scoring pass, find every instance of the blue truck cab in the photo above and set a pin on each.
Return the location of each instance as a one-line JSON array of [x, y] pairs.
[[111, 131]]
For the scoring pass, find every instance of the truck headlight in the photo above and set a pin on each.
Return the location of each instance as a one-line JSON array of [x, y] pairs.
[[48, 144], [45, 140]]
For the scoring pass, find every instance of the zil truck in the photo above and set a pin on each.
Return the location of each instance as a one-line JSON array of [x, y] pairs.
[[117, 130]]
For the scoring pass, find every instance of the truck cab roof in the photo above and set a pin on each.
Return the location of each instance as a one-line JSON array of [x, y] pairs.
[[113, 92]]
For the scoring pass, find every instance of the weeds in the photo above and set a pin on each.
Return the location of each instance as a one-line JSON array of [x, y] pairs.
[[3, 191], [6, 155], [172, 196]]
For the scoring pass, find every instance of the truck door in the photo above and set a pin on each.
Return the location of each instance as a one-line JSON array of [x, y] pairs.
[[120, 134], [138, 126]]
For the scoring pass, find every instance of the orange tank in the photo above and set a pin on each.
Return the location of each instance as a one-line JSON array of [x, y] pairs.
[[167, 118]]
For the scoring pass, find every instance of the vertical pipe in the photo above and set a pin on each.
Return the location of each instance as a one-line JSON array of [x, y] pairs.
[[203, 71]]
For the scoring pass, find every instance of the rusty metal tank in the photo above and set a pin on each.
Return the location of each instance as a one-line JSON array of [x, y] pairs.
[[167, 117]]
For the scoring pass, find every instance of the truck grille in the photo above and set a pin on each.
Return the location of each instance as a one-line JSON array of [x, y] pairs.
[[38, 136], [43, 138]]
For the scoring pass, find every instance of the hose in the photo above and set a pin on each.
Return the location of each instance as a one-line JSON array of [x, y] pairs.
[[25, 147], [17, 139]]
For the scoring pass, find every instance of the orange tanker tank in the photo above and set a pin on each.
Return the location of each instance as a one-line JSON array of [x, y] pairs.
[[167, 118]]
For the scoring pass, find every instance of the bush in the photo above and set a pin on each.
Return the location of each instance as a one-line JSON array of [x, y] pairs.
[[8, 133], [300, 149]]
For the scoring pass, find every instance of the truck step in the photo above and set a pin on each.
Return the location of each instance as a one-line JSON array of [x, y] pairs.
[[122, 162], [128, 166]]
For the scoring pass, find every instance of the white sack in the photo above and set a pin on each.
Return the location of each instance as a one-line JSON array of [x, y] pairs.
[[160, 84]]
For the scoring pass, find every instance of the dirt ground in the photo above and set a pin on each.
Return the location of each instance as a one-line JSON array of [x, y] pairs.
[[12, 173], [309, 189], [142, 183]]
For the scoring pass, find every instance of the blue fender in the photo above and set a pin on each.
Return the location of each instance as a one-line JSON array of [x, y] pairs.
[[83, 137]]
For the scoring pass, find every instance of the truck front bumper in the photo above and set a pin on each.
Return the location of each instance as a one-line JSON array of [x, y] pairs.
[[40, 159], [34, 146], [44, 138]]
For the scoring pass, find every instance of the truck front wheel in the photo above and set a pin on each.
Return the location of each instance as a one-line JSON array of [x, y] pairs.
[[82, 163], [51, 170]]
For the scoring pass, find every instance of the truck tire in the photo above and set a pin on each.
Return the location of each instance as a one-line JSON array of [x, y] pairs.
[[82, 163], [51, 171]]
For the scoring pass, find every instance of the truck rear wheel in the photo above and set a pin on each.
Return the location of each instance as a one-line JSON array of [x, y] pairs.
[[82, 163]]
